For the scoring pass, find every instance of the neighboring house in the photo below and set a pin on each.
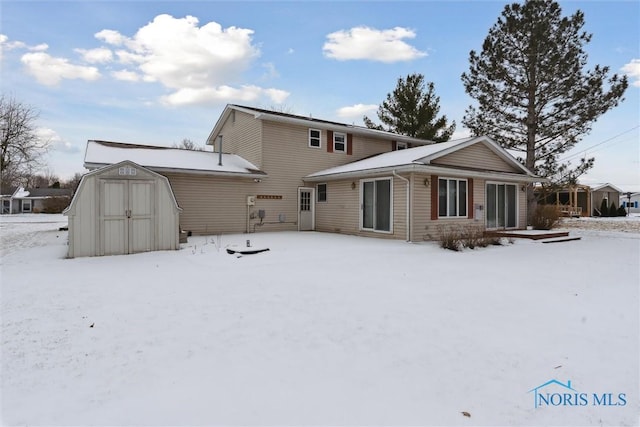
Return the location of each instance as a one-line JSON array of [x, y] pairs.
[[35, 200], [631, 201], [581, 200], [273, 171]]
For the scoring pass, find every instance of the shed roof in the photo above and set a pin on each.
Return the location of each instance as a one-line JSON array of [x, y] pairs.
[[165, 159]]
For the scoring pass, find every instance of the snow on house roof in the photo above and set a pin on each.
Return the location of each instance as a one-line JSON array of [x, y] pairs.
[[102, 153], [596, 187], [276, 116], [417, 156]]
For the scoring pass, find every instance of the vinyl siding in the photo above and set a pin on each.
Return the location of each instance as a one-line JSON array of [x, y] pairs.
[[341, 212], [476, 156], [211, 205], [242, 136], [427, 229]]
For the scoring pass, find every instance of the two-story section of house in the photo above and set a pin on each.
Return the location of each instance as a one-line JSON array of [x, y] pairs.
[[273, 171], [287, 148]]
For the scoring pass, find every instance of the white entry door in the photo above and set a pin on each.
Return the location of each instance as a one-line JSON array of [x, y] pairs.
[[126, 216], [306, 209]]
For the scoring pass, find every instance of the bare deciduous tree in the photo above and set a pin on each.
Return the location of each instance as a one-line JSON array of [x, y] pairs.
[[187, 144], [21, 149]]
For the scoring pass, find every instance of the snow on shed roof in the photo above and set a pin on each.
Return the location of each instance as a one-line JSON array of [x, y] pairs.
[[418, 156], [101, 153]]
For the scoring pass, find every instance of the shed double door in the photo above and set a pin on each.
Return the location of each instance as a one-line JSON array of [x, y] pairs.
[[126, 216]]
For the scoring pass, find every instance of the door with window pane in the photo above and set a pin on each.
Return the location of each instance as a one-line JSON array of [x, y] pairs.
[[376, 205], [305, 209], [501, 205]]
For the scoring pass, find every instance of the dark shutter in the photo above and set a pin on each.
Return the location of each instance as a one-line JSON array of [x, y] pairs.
[[329, 141], [394, 146], [470, 209], [349, 144], [434, 197]]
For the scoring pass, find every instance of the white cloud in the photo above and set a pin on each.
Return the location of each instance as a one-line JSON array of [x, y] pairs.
[[6, 45], [371, 44], [224, 93], [197, 63], [56, 142], [632, 69], [126, 75], [356, 111], [179, 54], [99, 55], [110, 37], [49, 70]]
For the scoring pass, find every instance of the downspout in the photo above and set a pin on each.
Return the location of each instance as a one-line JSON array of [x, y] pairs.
[[219, 150], [408, 205]]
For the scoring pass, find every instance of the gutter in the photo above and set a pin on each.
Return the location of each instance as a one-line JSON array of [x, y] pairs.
[[408, 226], [428, 169]]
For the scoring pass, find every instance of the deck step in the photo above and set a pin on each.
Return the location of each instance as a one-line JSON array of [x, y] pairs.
[[559, 240]]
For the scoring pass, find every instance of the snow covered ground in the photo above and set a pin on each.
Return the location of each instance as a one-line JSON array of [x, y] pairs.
[[323, 329]]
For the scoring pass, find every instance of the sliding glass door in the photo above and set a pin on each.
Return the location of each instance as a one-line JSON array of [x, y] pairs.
[[502, 205], [376, 205]]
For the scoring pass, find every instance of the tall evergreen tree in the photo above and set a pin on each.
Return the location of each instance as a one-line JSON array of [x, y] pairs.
[[532, 90], [412, 110]]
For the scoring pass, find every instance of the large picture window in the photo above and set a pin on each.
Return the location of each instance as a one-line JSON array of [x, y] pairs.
[[452, 198], [377, 205]]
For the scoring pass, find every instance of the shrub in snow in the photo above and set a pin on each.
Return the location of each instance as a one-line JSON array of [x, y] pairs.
[[622, 211], [450, 238], [604, 209], [545, 217], [613, 209]]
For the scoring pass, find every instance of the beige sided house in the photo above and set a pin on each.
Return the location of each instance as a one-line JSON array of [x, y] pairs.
[[273, 171]]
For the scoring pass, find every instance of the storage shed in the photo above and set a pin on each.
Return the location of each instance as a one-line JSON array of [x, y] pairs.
[[122, 209]]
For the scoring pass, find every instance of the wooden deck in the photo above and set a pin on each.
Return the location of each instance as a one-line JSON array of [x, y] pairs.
[[530, 234]]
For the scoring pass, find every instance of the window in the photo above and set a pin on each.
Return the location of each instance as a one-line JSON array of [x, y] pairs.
[[376, 204], [339, 142], [314, 138], [321, 191], [452, 197], [26, 206], [401, 145]]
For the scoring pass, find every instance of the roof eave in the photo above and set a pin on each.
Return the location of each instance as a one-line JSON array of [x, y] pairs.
[[435, 170], [260, 175]]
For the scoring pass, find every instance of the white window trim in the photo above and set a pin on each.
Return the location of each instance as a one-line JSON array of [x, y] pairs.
[[466, 197], [344, 142], [30, 203], [319, 138], [384, 178], [326, 188]]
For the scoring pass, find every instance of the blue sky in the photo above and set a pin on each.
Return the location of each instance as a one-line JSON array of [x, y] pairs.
[[160, 71]]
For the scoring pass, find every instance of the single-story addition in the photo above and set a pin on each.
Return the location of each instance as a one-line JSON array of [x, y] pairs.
[[273, 171], [35, 200], [414, 193]]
